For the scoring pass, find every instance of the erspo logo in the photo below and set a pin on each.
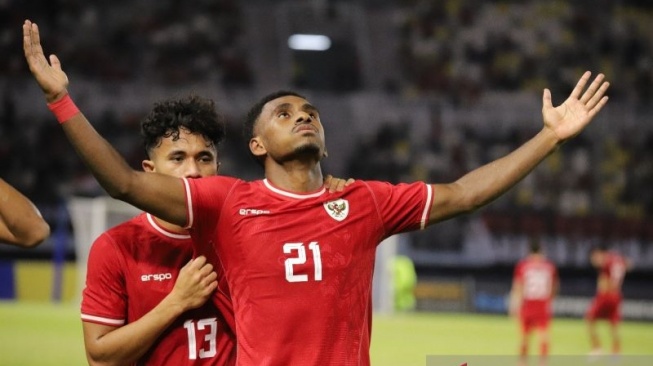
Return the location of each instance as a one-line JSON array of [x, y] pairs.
[[252, 211], [156, 277]]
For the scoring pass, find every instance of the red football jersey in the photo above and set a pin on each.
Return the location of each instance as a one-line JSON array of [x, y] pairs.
[[131, 268], [614, 270], [538, 277], [300, 266]]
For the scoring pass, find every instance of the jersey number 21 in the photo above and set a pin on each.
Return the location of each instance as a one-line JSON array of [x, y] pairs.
[[290, 263]]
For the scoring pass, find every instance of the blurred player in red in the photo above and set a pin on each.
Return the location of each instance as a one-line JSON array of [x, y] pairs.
[[612, 268], [535, 283], [21, 223]]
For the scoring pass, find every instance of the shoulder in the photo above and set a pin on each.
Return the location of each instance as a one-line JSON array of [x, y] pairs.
[[128, 227], [125, 230], [215, 184], [382, 187]]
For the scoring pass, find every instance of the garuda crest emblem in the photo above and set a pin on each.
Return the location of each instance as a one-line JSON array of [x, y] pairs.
[[338, 209]]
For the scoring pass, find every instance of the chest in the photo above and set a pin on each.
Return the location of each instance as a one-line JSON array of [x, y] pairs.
[[299, 241], [151, 270]]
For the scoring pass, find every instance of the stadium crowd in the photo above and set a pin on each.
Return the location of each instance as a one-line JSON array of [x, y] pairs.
[[459, 51]]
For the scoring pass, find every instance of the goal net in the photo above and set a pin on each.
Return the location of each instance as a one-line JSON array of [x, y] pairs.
[[90, 217]]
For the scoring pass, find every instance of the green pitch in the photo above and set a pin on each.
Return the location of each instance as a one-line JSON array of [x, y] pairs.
[[46, 334]]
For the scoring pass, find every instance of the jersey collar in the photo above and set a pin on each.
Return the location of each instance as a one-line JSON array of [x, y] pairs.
[[290, 194]]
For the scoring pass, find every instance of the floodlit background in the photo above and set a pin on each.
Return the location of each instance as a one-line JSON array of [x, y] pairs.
[[408, 90]]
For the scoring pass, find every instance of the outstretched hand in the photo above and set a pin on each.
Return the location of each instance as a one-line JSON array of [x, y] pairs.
[[570, 118], [52, 80]]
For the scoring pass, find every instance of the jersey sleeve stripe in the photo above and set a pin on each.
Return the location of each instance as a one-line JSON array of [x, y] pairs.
[[427, 206], [189, 204], [99, 319]]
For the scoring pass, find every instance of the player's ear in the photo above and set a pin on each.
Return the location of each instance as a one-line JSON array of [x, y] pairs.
[[148, 165], [256, 146], [325, 154]]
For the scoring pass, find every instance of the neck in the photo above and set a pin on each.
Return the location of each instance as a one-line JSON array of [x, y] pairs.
[[295, 176]]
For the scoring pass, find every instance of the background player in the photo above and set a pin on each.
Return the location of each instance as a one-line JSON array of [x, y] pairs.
[[298, 260], [612, 268], [21, 223], [535, 283]]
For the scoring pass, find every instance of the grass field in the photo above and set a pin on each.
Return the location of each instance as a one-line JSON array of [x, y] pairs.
[[45, 334]]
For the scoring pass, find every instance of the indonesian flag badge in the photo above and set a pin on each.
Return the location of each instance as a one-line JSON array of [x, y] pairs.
[[338, 209]]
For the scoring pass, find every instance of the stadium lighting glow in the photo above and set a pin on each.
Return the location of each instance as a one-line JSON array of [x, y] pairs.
[[309, 42]]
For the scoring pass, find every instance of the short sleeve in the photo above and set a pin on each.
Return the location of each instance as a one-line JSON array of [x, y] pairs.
[[205, 198], [104, 299], [402, 207]]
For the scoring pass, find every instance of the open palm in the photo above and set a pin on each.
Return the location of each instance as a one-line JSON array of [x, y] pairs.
[[52, 80], [570, 118]]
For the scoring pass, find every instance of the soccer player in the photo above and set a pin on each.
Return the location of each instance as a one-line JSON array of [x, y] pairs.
[[21, 223], [612, 268], [299, 260], [535, 283], [145, 300]]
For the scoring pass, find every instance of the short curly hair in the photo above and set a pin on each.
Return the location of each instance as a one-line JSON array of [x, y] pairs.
[[195, 114], [255, 112]]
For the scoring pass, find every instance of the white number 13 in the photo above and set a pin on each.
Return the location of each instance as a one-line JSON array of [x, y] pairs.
[[209, 338], [301, 259]]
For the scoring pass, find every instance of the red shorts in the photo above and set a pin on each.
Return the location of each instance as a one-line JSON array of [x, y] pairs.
[[605, 306], [535, 314], [530, 322]]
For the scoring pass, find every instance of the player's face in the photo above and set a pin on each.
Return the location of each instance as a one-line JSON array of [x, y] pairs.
[[597, 258], [190, 156], [289, 127]]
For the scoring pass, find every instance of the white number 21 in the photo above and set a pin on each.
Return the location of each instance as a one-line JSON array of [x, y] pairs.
[[301, 259]]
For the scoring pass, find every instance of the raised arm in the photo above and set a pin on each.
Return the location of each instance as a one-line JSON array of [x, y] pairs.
[[21, 223], [106, 345], [482, 185], [161, 195]]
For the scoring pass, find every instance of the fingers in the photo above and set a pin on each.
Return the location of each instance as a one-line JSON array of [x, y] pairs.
[[594, 97], [27, 38], [327, 183], [209, 281], [598, 106], [580, 85], [32, 44], [208, 290], [27, 42], [211, 277], [198, 262], [202, 268], [591, 91], [546, 99], [339, 185], [336, 184], [598, 96], [54, 61]]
